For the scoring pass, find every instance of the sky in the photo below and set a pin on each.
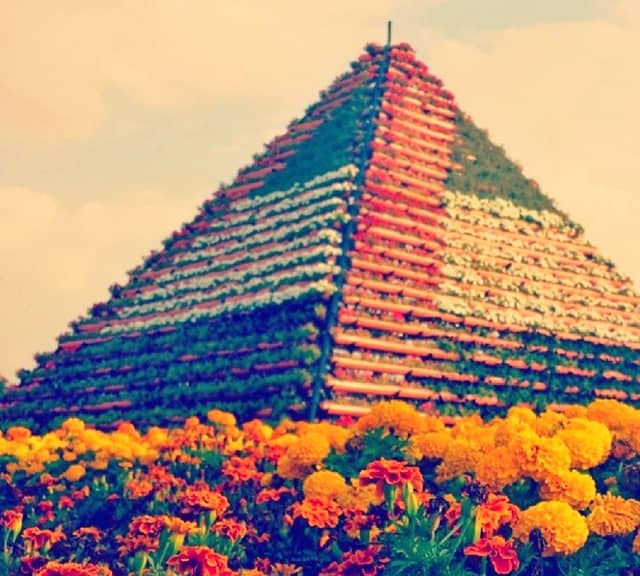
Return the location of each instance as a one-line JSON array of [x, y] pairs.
[[118, 119]]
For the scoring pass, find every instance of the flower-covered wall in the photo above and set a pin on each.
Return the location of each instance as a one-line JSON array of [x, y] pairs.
[[380, 247]]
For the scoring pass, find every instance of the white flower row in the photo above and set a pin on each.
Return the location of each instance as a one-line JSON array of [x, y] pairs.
[[525, 267], [294, 273], [346, 173], [267, 223], [284, 230], [545, 259], [259, 268], [538, 288], [250, 218], [324, 237], [252, 302], [502, 208]]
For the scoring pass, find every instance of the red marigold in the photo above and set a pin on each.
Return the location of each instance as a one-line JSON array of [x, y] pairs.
[[494, 512], [232, 529], [12, 519], [149, 526], [40, 538], [54, 568], [200, 561], [500, 552], [392, 473], [240, 470], [363, 562]]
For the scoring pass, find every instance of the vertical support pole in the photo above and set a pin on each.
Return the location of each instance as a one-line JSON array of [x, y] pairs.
[[388, 32]]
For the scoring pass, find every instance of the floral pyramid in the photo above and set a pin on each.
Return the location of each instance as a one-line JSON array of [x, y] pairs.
[[381, 247]]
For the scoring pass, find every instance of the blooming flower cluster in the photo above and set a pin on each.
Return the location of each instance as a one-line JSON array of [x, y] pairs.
[[390, 489]]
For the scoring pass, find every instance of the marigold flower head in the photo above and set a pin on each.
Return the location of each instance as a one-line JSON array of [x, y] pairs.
[[54, 568], [337, 436], [613, 414], [12, 519], [138, 488], [318, 512], [564, 529], [230, 528], [495, 512], [73, 426], [538, 456], [177, 525], [394, 416], [501, 553], [589, 442], [384, 472], [224, 419], [18, 433], [40, 537], [146, 525], [326, 484], [497, 468], [91, 532], [240, 470], [548, 423], [74, 473], [613, 515], [430, 445], [310, 449], [462, 457], [200, 561], [205, 499], [363, 562], [521, 413], [570, 486]]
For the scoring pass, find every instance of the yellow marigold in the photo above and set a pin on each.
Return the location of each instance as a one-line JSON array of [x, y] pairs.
[[504, 431], [576, 489], [394, 416], [548, 423], [538, 456], [521, 413], [589, 442], [462, 456], [225, 419], [74, 472], [564, 529], [613, 414], [337, 436], [73, 426], [497, 468], [309, 450], [326, 484], [613, 516], [431, 445]]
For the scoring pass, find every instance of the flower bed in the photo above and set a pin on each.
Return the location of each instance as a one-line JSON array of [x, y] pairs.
[[395, 491]]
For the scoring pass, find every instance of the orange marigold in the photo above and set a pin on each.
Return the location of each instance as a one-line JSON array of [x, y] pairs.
[[564, 529], [200, 561], [573, 487], [395, 417], [613, 516], [318, 512], [202, 498], [588, 442]]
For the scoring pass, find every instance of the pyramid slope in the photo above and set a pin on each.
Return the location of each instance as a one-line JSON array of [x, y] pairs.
[[343, 266]]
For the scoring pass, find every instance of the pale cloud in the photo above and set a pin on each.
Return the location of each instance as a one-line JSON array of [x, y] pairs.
[[55, 261], [59, 59]]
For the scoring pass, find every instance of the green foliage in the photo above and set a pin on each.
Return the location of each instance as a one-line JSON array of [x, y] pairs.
[[489, 173]]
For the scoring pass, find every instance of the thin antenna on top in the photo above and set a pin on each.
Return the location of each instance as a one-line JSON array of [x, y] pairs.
[[388, 32]]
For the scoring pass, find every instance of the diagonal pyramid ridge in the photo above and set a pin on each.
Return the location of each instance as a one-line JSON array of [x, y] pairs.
[[381, 247]]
